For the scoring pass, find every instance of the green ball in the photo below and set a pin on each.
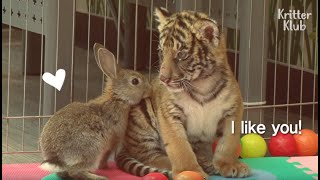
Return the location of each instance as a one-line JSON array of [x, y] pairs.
[[253, 145]]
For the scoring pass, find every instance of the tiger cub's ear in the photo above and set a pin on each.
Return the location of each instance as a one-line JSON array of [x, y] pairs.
[[162, 14], [207, 30]]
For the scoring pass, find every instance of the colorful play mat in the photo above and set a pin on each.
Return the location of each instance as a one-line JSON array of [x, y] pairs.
[[266, 168]]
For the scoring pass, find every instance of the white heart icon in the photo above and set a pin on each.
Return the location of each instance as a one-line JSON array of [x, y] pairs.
[[55, 81]]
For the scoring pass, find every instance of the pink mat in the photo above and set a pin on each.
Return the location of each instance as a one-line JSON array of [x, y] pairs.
[[33, 172], [310, 162], [22, 171]]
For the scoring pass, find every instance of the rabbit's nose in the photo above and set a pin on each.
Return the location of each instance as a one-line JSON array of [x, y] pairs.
[[148, 93], [164, 79]]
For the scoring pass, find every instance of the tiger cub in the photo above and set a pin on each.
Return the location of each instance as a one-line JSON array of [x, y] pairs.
[[195, 99]]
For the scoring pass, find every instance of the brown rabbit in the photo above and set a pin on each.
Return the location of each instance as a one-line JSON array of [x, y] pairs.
[[80, 137]]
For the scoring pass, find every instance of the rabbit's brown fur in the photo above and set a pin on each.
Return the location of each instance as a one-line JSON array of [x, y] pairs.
[[81, 136]]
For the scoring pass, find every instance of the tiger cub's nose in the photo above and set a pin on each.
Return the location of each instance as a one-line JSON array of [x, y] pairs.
[[164, 79]]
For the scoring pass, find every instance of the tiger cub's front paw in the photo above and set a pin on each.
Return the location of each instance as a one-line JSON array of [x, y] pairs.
[[231, 169]]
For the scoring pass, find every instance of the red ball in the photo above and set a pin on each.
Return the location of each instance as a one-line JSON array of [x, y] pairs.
[[307, 143], [214, 145], [282, 145], [155, 176]]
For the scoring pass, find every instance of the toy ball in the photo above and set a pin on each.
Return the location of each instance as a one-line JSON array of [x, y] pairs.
[[253, 145], [307, 143], [214, 145], [189, 175], [282, 145], [155, 176]]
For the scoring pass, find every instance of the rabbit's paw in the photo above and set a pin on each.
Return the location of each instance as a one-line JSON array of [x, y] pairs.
[[103, 165]]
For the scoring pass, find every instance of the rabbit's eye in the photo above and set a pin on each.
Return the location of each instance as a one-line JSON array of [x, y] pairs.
[[135, 81]]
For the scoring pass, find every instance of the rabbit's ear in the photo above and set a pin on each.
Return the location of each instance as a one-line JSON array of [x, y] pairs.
[[96, 47], [106, 61]]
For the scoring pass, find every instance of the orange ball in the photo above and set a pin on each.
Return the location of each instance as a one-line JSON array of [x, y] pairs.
[[307, 143], [188, 175], [214, 145]]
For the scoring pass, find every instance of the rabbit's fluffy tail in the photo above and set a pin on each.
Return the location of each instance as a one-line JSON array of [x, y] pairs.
[[50, 166]]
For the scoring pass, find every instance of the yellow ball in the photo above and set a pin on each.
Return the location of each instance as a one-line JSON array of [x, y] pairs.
[[253, 145]]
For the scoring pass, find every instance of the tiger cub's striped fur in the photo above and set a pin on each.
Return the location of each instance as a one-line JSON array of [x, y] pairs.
[[143, 145], [195, 99]]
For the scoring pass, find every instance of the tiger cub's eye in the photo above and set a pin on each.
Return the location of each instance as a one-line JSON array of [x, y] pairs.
[[181, 55]]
